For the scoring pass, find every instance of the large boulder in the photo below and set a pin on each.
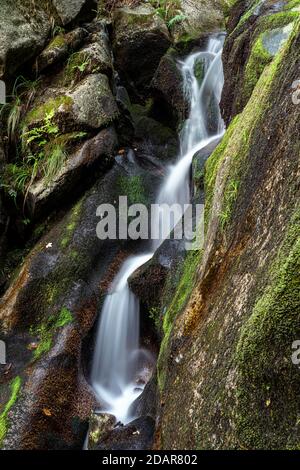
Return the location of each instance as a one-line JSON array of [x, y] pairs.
[[88, 105], [256, 33], [140, 40], [93, 104], [49, 310], [20, 44], [71, 10], [198, 17], [168, 82], [229, 331], [153, 138], [93, 157]]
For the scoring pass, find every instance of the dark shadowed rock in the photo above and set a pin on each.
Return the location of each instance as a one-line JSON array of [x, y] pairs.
[[146, 403], [137, 435], [71, 10], [148, 281], [100, 425], [140, 40], [244, 60], [168, 82]]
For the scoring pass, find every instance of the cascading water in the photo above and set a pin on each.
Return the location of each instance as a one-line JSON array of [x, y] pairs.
[[117, 357], [195, 134], [116, 360]]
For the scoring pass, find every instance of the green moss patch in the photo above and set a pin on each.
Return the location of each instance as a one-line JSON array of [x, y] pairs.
[[47, 329], [71, 225], [259, 56], [264, 351], [133, 188], [49, 107], [15, 387], [180, 299], [235, 146]]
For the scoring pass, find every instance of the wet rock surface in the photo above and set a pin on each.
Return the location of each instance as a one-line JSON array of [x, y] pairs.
[[100, 425], [137, 435], [54, 302], [169, 85], [140, 40]]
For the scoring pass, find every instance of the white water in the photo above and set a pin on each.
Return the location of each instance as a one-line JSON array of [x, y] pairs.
[[118, 359]]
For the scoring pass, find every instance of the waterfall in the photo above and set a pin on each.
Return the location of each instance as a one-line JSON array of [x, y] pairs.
[[118, 357]]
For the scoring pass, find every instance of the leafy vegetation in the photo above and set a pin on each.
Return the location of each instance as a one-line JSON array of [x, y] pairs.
[[169, 10], [19, 101], [77, 65]]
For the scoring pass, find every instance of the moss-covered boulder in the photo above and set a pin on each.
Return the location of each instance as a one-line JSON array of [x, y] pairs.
[[228, 345], [137, 435], [48, 311], [59, 48], [93, 158], [140, 39], [196, 17], [257, 32], [154, 138], [88, 105]]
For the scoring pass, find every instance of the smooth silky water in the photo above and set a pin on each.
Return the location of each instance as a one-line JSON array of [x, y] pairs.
[[119, 361]]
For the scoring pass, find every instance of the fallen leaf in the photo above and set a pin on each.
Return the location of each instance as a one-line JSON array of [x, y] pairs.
[[47, 412]]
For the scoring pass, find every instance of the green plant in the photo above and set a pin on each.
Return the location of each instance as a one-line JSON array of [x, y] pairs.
[[57, 31], [54, 162], [39, 135], [175, 20], [22, 95], [229, 200], [77, 64], [154, 315], [169, 11]]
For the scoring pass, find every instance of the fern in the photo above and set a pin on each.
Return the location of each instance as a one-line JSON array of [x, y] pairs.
[[175, 20]]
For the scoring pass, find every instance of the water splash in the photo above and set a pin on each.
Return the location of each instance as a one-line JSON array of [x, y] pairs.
[[118, 359]]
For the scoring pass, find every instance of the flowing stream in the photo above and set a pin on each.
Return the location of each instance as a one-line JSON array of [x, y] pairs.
[[118, 359]]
